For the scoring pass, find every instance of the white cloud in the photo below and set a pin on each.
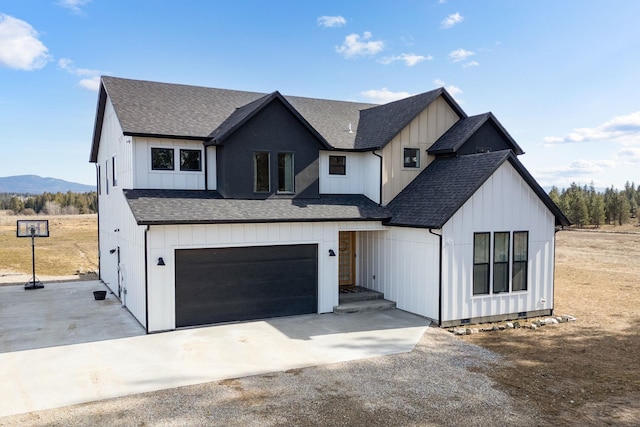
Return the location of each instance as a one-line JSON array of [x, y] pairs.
[[73, 5], [354, 46], [453, 90], [460, 55], [410, 59], [384, 95], [451, 20], [92, 77], [470, 64], [629, 155], [581, 171], [622, 129], [93, 83], [20, 48], [331, 21]]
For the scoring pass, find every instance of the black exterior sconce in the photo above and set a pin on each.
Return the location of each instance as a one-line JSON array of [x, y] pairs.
[[161, 261], [112, 251], [331, 252]]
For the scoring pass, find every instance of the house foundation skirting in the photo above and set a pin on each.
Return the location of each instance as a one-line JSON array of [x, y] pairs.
[[497, 318]]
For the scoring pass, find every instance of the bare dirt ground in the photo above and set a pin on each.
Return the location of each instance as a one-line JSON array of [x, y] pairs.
[[586, 372]]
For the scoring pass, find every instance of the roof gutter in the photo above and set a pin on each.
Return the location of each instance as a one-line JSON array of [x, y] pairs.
[[439, 276]]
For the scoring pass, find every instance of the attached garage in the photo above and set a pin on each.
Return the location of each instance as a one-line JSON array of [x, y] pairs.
[[216, 285]]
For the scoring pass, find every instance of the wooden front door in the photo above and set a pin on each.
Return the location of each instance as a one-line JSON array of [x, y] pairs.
[[347, 258]]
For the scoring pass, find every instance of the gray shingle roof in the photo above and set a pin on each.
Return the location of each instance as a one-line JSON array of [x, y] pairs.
[[463, 129], [442, 188], [208, 207], [378, 125], [174, 110], [432, 198]]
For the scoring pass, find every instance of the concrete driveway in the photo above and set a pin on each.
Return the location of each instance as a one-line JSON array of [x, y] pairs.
[[107, 354]]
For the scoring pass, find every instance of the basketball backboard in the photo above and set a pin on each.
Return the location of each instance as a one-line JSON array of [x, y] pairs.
[[32, 228]]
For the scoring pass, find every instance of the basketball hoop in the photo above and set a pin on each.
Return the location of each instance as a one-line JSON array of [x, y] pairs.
[[33, 229]]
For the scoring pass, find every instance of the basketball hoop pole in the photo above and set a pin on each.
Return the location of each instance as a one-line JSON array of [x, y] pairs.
[[34, 283]]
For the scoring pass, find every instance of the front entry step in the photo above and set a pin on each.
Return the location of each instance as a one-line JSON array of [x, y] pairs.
[[357, 299], [365, 305]]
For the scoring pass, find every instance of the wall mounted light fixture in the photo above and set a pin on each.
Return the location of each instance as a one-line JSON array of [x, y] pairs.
[[161, 261], [112, 251], [331, 252]]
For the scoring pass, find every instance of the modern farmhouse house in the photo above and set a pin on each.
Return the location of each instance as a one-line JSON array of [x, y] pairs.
[[220, 205]]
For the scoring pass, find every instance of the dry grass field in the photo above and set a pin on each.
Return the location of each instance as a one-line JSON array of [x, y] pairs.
[[586, 372], [581, 373], [72, 247]]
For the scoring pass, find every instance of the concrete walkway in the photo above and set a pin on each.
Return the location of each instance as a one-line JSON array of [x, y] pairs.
[[50, 377]]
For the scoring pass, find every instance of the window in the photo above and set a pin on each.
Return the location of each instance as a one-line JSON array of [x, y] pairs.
[[261, 172], [113, 171], [106, 176], [481, 242], [190, 160], [99, 181], [520, 260], [500, 262], [411, 158], [337, 165], [162, 159], [285, 173]]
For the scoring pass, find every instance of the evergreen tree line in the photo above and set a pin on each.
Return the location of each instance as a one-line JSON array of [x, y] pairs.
[[68, 203], [584, 206]]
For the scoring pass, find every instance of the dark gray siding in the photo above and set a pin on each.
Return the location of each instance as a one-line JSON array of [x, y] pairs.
[[274, 129], [487, 138]]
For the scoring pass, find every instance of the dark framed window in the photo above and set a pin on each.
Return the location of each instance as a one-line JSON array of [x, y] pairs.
[[337, 165], [261, 172], [285, 173], [500, 262], [99, 181], [106, 176], [411, 157], [191, 160], [520, 260], [162, 159], [481, 254], [114, 178]]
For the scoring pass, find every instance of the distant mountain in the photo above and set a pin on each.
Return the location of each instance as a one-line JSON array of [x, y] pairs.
[[34, 184]]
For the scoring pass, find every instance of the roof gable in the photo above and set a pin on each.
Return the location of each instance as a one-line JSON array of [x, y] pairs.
[[452, 140], [379, 125], [243, 114], [431, 199]]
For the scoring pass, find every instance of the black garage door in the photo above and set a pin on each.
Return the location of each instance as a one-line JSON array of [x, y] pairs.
[[228, 284]]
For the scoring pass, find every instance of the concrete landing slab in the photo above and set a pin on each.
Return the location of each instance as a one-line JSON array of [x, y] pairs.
[[60, 376]]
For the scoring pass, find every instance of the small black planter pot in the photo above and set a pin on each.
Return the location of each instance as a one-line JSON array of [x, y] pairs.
[[99, 295]]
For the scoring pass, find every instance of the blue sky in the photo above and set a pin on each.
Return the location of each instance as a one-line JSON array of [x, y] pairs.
[[563, 77]]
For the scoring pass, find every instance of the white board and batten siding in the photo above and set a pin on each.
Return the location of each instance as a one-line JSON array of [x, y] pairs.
[[175, 179], [403, 263], [504, 203], [117, 225], [420, 133], [362, 175], [163, 240]]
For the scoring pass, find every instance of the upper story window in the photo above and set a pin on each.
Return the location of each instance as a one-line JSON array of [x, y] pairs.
[[261, 177], [337, 165], [285, 173], [191, 160], [162, 159], [411, 157]]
